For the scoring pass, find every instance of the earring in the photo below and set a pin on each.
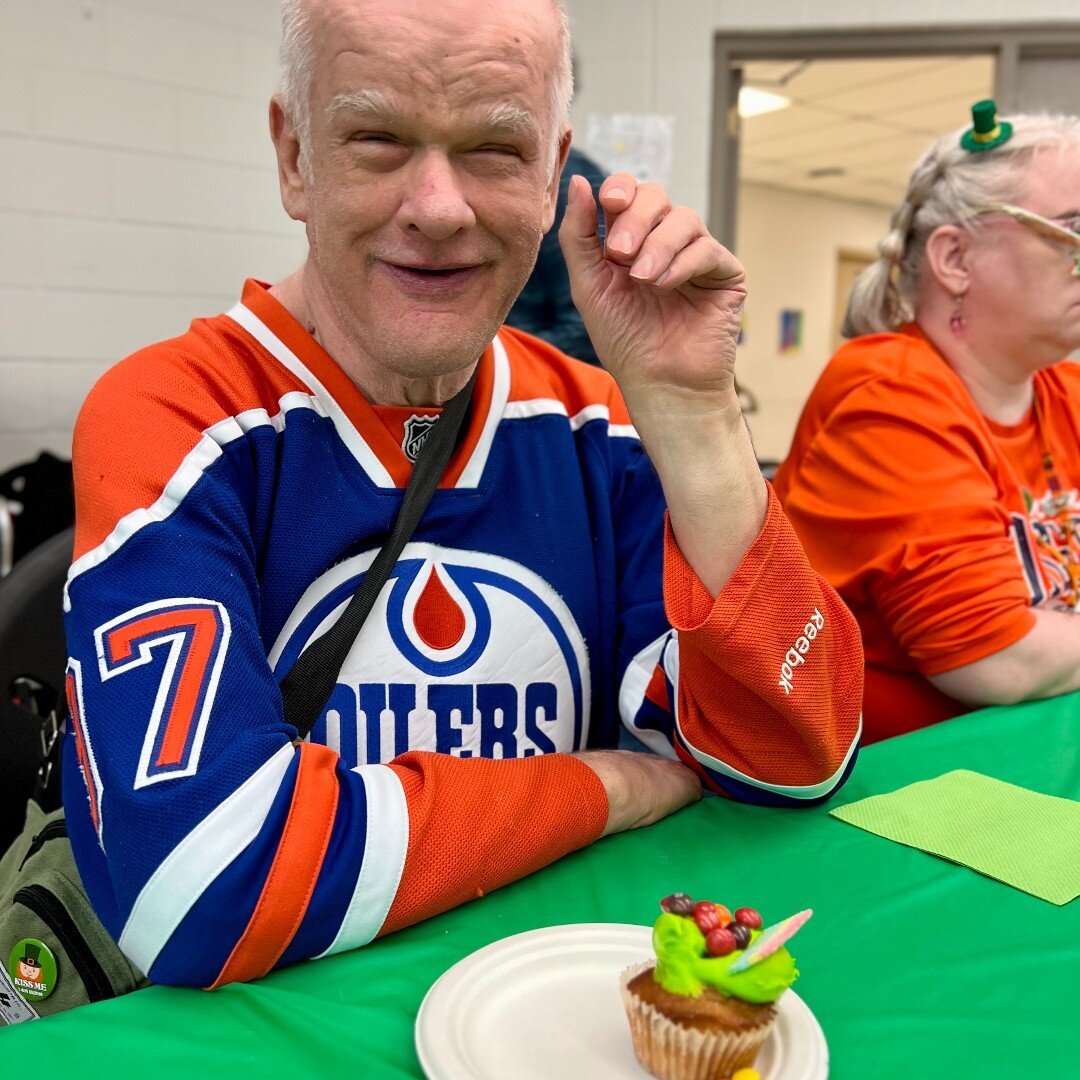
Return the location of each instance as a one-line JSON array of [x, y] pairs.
[[957, 322]]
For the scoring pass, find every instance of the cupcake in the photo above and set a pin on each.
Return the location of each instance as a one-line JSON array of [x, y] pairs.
[[704, 1008]]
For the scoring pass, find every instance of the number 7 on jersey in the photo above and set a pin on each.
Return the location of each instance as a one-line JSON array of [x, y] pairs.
[[188, 638]]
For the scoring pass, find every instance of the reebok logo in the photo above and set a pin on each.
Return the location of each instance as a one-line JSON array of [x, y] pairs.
[[796, 655]]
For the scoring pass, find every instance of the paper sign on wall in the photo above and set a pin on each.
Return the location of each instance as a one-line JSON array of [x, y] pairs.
[[637, 143]]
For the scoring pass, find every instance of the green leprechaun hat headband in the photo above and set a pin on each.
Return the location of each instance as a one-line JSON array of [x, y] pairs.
[[986, 130]]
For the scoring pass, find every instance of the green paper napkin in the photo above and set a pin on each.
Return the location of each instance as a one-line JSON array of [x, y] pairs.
[[1025, 839]]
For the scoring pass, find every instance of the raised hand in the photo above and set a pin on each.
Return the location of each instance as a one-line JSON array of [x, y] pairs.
[[662, 299]]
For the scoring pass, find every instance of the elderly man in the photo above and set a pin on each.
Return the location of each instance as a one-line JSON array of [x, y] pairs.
[[234, 483]]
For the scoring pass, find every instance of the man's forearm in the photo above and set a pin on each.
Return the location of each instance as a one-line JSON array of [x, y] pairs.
[[716, 497]]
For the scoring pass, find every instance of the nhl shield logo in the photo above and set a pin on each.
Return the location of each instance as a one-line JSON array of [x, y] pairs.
[[416, 430]]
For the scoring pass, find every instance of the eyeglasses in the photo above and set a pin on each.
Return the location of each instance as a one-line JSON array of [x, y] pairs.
[[1068, 233]]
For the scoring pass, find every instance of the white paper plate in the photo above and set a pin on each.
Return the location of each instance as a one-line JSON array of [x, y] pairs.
[[546, 1005]]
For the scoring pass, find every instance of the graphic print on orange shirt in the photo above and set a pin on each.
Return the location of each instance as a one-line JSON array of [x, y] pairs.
[[1046, 554]]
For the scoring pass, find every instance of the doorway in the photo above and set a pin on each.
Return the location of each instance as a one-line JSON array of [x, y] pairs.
[[813, 140], [849, 265]]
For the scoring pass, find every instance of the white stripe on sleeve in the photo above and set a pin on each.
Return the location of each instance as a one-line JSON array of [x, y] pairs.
[[193, 865], [385, 845], [635, 682], [809, 791]]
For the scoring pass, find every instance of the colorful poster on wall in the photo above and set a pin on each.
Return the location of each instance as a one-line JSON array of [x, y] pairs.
[[791, 331]]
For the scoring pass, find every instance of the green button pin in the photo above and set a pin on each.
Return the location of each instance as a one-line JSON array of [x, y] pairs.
[[32, 968]]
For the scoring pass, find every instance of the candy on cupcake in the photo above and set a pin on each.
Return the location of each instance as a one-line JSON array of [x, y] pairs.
[[705, 1007]]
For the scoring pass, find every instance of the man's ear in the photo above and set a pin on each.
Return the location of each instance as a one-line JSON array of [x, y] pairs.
[[551, 196], [290, 175], [948, 258]]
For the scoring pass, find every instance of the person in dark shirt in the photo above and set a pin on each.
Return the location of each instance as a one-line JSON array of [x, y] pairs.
[[544, 307]]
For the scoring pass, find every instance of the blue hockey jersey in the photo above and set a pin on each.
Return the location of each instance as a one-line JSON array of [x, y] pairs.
[[233, 486]]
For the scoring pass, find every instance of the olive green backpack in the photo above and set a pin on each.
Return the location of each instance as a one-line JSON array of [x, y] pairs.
[[48, 930]]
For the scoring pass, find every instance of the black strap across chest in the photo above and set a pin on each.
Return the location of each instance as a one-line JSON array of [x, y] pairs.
[[307, 687]]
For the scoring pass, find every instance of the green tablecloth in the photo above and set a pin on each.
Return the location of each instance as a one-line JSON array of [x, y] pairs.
[[915, 967]]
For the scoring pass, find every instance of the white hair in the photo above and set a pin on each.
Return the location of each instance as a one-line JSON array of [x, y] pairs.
[[946, 187], [298, 59]]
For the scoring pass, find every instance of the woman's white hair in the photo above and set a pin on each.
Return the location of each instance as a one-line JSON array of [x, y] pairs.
[[946, 188], [297, 62]]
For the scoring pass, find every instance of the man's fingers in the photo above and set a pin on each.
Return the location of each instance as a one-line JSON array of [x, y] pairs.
[[628, 230], [706, 264], [667, 241], [616, 194], [577, 233]]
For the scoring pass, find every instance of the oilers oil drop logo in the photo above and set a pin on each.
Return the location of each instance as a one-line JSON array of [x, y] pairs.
[[463, 653]]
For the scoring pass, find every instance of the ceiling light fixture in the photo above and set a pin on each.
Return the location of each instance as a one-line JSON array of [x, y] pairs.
[[754, 102]]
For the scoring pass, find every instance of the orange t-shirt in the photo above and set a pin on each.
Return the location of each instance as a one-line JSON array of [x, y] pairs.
[[931, 521]]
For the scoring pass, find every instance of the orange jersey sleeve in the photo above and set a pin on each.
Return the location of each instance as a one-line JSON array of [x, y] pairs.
[[769, 673]]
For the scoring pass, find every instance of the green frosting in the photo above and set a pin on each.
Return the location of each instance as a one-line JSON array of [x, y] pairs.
[[684, 967]]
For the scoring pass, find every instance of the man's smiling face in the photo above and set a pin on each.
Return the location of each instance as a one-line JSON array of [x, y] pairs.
[[431, 175]]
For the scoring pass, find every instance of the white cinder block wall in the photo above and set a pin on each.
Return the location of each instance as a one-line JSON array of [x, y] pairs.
[[137, 188]]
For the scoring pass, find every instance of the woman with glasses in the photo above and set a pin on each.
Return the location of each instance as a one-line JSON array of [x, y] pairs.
[[934, 474]]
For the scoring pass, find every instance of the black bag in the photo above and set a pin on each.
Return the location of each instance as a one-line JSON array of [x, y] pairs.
[[43, 493], [33, 655], [60, 953]]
